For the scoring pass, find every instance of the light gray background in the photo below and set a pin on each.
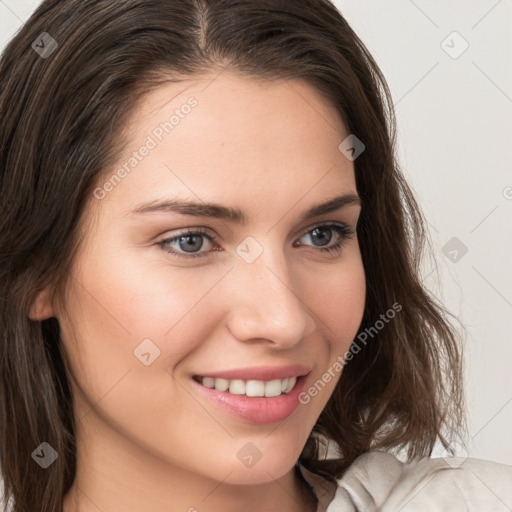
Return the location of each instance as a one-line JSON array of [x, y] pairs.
[[455, 137]]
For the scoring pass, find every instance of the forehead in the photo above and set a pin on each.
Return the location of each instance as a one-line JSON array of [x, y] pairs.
[[231, 107], [215, 136]]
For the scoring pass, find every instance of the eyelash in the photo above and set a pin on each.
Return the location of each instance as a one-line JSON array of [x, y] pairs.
[[343, 230]]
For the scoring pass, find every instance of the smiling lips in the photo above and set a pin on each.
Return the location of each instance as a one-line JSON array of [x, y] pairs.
[[260, 381], [257, 395], [251, 387]]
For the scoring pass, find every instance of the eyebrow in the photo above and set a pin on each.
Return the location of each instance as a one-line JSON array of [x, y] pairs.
[[236, 215]]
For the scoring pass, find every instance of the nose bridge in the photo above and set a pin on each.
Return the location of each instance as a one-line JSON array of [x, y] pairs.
[[266, 303]]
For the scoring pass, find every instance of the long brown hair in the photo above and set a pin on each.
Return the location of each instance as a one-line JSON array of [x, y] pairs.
[[64, 98]]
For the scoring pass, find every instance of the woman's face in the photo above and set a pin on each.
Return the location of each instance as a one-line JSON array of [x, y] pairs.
[[142, 317]]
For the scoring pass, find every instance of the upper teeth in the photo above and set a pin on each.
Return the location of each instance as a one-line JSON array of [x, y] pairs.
[[251, 387]]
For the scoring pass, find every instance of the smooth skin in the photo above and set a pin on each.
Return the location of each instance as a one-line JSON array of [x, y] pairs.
[[147, 439]]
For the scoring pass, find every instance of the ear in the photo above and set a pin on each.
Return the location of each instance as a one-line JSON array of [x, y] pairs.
[[41, 307]]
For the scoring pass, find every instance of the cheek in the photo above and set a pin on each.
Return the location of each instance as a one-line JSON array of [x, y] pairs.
[[115, 304], [338, 302], [337, 299], [104, 324], [136, 297]]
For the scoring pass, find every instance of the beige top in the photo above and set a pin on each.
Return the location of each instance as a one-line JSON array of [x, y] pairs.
[[379, 482]]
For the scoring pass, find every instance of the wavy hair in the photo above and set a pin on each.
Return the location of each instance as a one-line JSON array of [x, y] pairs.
[[61, 118]]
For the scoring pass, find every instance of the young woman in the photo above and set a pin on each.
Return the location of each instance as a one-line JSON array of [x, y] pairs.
[[209, 270]]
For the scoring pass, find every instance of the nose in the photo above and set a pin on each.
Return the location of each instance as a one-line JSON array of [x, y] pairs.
[[265, 302]]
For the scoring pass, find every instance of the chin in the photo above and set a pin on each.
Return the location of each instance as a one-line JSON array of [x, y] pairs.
[[266, 469]]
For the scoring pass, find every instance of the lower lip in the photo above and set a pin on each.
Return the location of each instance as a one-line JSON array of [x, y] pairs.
[[255, 409]]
